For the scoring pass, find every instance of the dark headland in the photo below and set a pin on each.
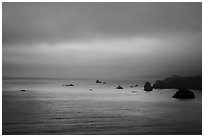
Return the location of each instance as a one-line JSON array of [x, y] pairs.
[[176, 82]]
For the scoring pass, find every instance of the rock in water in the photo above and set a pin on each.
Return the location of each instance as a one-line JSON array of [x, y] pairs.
[[136, 85], [119, 87], [104, 82], [23, 90], [148, 87], [97, 81], [70, 85], [184, 93]]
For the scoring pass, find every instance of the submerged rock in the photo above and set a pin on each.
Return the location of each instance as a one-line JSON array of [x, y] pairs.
[[70, 85], [184, 93], [119, 87], [23, 90], [136, 85], [148, 87], [104, 82], [131, 86], [97, 81]]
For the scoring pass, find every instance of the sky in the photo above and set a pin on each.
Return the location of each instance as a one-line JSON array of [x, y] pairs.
[[101, 40]]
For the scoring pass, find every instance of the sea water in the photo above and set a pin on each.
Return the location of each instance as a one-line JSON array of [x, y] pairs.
[[49, 108]]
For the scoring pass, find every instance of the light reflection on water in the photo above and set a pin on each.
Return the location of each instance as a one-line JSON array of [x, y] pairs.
[[49, 108]]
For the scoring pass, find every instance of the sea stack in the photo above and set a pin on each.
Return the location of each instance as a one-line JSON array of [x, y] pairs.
[[97, 81], [148, 87], [184, 93]]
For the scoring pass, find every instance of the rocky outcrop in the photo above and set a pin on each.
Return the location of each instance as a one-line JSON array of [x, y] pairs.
[[159, 85], [184, 93], [148, 87], [119, 87], [97, 81]]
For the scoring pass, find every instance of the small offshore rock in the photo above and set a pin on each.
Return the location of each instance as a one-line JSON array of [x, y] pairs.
[[119, 87], [97, 81]]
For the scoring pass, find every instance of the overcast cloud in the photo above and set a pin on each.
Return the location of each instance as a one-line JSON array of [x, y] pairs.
[[101, 40]]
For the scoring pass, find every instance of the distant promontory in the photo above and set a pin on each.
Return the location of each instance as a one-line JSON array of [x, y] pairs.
[[176, 82]]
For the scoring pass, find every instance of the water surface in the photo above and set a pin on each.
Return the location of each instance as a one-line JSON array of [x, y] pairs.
[[49, 108]]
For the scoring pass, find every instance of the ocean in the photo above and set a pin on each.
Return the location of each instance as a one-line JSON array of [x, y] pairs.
[[88, 108]]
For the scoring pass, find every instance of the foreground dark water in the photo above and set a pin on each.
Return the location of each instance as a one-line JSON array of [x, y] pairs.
[[49, 108]]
